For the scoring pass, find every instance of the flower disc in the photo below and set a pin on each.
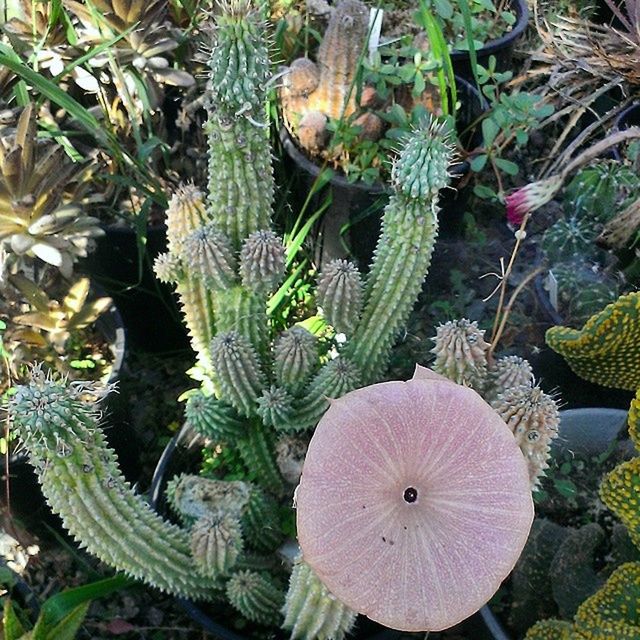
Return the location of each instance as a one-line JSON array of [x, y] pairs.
[[414, 502]]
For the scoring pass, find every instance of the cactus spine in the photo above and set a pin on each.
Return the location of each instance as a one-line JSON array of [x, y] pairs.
[[255, 597], [81, 481]]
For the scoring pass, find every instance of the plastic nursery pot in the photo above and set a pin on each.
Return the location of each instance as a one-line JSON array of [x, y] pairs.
[[358, 207], [20, 592], [502, 48], [626, 119], [183, 454], [148, 307], [585, 432], [26, 500]]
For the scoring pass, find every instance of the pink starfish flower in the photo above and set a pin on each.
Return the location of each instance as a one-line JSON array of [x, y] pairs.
[[414, 502]]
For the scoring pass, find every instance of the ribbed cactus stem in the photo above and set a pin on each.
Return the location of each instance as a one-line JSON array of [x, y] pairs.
[[237, 371], [260, 523], [241, 310], [258, 456], [337, 377], [207, 254], [403, 252], [507, 372], [339, 294], [186, 212], [81, 481], [295, 355], [216, 543], [461, 352], [213, 419], [240, 174], [533, 417], [311, 612], [275, 407], [262, 261], [256, 597]]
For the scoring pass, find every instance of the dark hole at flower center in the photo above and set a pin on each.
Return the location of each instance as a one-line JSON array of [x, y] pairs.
[[410, 495]]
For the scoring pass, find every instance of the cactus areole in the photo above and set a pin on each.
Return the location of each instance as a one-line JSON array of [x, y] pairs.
[[414, 502]]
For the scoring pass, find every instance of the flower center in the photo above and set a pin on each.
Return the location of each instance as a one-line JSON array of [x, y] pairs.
[[410, 495]]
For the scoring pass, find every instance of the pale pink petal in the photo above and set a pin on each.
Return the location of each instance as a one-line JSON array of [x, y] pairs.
[[413, 565]]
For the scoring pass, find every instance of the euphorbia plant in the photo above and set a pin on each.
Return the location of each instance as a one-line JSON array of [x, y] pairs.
[[264, 392]]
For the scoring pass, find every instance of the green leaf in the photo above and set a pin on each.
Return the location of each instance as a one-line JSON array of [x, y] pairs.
[[484, 192], [443, 9], [510, 168], [52, 91], [479, 162], [58, 607], [565, 488], [66, 629], [13, 629], [489, 131]]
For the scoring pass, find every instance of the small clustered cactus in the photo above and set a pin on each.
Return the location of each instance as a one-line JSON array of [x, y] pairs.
[[463, 355]]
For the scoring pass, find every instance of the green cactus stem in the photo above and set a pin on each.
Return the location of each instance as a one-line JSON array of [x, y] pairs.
[[262, 261], [241, 310], [403, 253], [81, 481], [461, 352], [240, 174], [237, 370], [339, 295], [532, 598], [337, 377], [275, 407], [572, 573], [260, 522], [209, 256], [256, 597], [216, 543], [607, 349], [256, 450], [213, 419], [311, 612], [295, 355], [186, 214]]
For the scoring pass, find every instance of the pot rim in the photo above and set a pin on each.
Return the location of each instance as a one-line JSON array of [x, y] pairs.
[[522, 20]]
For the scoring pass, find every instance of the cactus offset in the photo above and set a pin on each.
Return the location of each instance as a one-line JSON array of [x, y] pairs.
[[295, 355], [311, 612], [260, 523], [82, 483], [461, 352], [607, 349], [340, 294], [533, 417], [212, 418], [216, 543], [507, 372], [403, 252], [256, 597]]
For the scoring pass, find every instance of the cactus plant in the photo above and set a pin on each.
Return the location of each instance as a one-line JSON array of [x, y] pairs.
[[569, 238], [256, 597], [605, 350]]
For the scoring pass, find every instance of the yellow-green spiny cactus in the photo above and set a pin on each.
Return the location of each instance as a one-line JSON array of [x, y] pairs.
[[607, 349]]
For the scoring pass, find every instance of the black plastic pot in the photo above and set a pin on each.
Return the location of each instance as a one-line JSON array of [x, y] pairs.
[[354, 216], [626, 119], [502, 48], [586, 432], [148, 307], [27, 502]]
